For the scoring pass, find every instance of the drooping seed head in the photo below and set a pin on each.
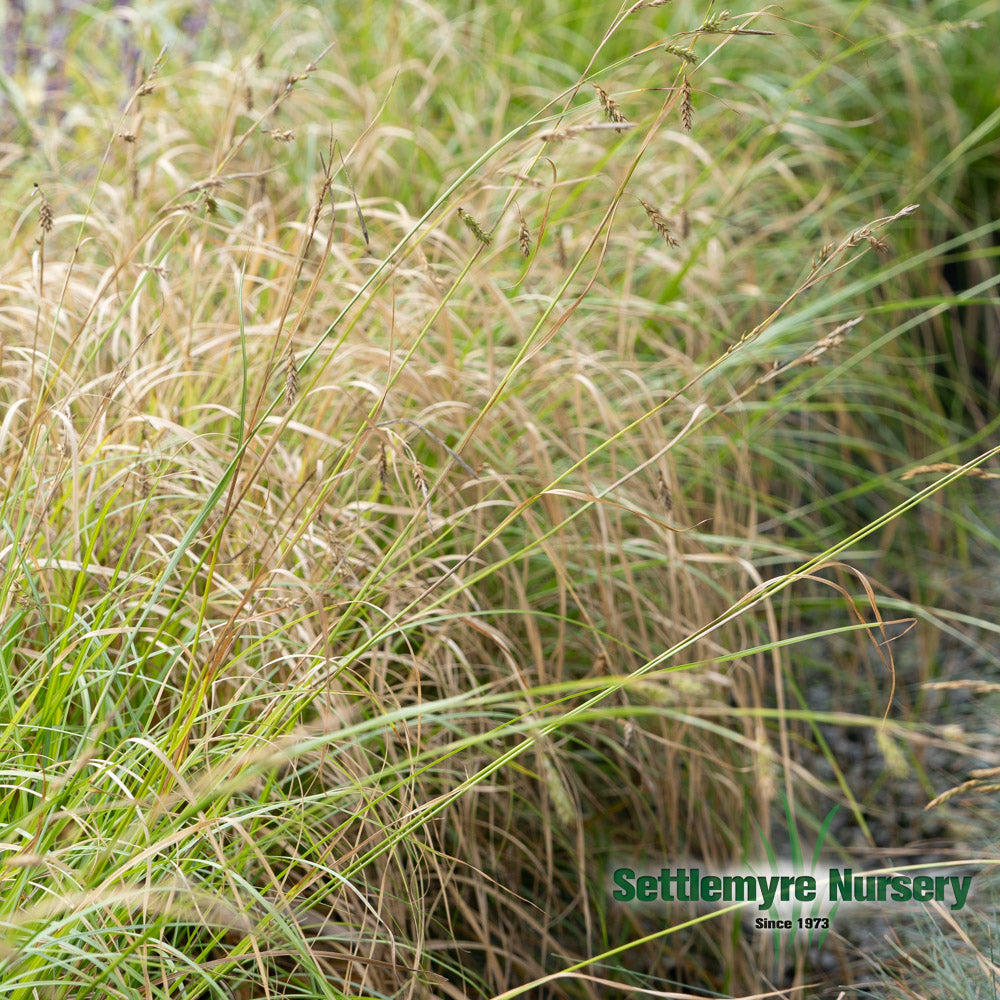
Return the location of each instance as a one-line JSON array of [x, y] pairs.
[[660, 222]]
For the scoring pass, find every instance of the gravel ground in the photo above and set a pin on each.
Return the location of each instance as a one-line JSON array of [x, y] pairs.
[[959, 736]]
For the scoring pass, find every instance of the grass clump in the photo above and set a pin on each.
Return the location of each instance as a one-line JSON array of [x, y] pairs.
[[417, 496]]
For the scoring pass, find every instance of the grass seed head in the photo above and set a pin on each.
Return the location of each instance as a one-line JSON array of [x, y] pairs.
[[822, 256], [45, 217], [663, 493], [660, 222], [561, 254], [476, 229], [629, 733], [146, 87], [419, 479], [291, 378], [686, 54], [383, 464], [879, 246], [611, 109], [715, 22], [558, 793], [524, 239], [686, 105]]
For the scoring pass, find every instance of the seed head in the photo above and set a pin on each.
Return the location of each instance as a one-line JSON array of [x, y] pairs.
[[524, 238], [629, 733], [45, 219], [879, 246], [660, 222], [715, 22], [611, 109], [663, 493], [686, 105], [291, 378], [686, 54], [476, 229], [383, 464]]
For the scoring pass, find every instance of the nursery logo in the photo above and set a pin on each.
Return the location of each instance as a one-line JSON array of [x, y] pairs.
[[793, 897], [837, 885]]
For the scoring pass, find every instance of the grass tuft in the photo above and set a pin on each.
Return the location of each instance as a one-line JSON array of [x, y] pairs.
[[363, 600]]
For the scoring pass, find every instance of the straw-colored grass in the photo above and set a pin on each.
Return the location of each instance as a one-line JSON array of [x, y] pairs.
[[442, 454]]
